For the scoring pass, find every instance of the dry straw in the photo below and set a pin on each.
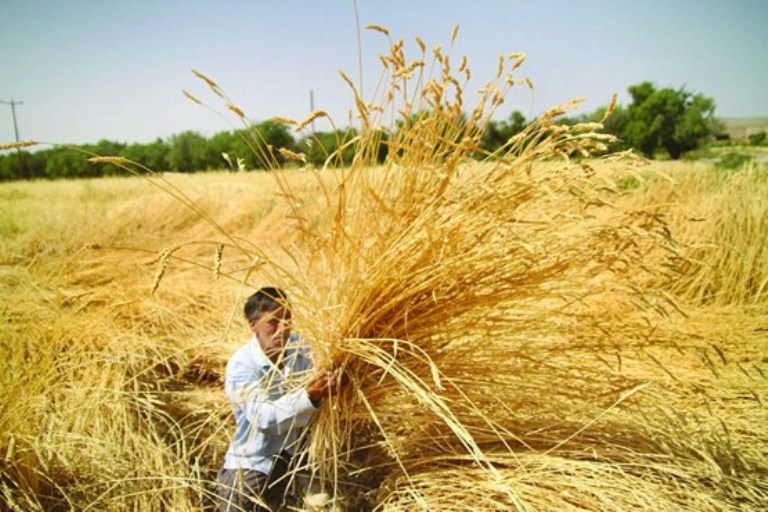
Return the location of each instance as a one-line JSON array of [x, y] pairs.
[[492, 319]]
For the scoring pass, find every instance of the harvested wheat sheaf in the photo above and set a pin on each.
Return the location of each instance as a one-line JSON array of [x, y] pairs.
[[503, 331]]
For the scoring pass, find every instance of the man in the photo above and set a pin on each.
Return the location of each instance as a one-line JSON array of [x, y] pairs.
[[274, 393]]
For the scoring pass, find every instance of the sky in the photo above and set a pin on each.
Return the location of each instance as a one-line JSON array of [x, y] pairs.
[[87, 70]]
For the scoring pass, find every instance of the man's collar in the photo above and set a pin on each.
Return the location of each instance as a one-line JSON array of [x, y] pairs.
[[258, 354], [291, 351]]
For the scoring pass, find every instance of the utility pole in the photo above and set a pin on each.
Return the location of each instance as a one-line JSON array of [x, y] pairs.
[[13, 111], [13, 104], [312, 107]]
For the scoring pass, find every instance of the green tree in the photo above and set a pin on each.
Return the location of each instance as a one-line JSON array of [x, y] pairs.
[[35, 163], [335, 146], [8, 167], [188, 152], [66, 163], [15, 166], [265, 139], [257, 145], [230, 144], [275, 134], [102, 148], [675, 120], [245, 145], [497, 133], [152, 156], [758, 139]]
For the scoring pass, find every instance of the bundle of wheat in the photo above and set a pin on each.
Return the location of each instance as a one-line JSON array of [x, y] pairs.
[[477, 307]]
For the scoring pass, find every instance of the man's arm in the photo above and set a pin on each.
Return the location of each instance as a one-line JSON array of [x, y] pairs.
[[249, 392], [321, 385]]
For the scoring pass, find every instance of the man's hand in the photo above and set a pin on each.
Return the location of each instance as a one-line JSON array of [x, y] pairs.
[[323, 383]]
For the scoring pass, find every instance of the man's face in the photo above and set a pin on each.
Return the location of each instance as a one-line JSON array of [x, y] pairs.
[[272, 330]]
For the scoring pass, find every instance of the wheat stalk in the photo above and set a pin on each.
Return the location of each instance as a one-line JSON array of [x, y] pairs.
[[18, 145], [308, 120], [163, 259]]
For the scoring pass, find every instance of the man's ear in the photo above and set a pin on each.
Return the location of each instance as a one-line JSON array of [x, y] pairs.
[[252, 325]]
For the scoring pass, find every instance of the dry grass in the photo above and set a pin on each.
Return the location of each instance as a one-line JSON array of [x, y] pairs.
[[723, 216], [512, 334]]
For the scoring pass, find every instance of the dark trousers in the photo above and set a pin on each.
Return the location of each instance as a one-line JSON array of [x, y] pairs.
[[252, 491]]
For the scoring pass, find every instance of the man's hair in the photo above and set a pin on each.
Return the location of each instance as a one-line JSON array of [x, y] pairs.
[[265, 299]]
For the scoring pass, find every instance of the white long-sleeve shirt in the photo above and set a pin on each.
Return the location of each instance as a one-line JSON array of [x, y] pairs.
[[270, 405]]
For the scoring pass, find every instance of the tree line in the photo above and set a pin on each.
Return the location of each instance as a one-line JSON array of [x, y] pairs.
[[666, 120], [257, 147]]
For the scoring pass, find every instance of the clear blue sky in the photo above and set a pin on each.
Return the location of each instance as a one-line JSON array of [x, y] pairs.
[[93, 69]]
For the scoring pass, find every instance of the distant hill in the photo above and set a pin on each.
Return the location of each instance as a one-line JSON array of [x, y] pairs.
[[743, 127]]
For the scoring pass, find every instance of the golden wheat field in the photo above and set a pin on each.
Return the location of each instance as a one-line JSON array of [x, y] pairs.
[[535, 329], [112, 396]]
